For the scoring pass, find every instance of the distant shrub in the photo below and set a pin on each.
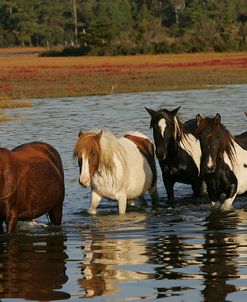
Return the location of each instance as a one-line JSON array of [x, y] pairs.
[[66, 52]]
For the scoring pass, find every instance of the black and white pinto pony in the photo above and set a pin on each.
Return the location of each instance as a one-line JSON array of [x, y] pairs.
[[117, 168], [177, 149], [223, 162], [242, 138]]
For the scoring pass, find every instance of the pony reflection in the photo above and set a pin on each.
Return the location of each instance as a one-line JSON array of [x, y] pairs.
[[103, 258], [225, 245], [33, 268]]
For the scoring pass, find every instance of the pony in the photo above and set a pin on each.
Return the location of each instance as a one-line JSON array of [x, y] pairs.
[[242, 138], [177, 149], [31, 184], [223, 161], [116, 168]]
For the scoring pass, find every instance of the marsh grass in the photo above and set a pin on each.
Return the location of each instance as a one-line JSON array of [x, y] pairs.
[[36, 77], [14, 104], [4, 104], [22, 50]]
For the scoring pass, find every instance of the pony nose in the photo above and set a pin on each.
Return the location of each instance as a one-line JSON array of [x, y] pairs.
[[160, 154], [84, 181], [209, 168], [210, 165]]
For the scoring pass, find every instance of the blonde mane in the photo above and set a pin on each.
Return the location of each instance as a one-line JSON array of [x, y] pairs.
[[109, 147]]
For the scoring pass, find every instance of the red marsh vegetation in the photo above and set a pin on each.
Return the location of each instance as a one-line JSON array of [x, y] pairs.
[[24, 77]]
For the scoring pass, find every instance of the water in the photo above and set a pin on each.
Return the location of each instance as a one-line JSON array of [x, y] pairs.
[[185, 252]]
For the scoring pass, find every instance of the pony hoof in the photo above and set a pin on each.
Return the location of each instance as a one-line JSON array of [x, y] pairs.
[[226, 207], [91, 211], [215, 205]]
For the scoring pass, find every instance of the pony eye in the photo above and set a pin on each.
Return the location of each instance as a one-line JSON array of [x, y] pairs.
[[80, 161]]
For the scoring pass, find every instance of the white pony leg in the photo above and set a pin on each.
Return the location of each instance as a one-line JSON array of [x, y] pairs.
[[227, 205], [131, 202], [95, 199], [122, 203], [216, 204]]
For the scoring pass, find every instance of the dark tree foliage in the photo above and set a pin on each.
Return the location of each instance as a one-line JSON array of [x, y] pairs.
[[113, 27]]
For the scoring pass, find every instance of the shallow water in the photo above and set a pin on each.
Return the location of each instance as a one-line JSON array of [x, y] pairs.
[[182, 252]]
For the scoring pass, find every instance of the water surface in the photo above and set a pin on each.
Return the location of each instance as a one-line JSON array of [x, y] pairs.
[[179, 252]]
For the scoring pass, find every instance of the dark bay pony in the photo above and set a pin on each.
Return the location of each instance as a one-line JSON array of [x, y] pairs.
[[117, 168], [177, 150], [32, 184], [223, 161]]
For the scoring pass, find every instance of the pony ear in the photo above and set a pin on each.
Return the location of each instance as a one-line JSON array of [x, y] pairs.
[[80, 133], [150, 111], [98, 135], [217, 119], [175, 111], [199, 119]]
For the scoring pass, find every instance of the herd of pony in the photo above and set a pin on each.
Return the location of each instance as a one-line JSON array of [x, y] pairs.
[[200, 152]]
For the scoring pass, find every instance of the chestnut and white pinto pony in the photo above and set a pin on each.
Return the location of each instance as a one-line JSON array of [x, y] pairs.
[[116, 168]]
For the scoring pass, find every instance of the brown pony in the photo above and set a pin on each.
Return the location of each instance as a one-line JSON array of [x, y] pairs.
[[31, 184]]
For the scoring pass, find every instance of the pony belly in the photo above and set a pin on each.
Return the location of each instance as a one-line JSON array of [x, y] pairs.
[[241, 175], [139, 183], [108, 187]]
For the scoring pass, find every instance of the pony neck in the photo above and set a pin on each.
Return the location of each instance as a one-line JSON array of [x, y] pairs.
[[173, 147], [111, 151]]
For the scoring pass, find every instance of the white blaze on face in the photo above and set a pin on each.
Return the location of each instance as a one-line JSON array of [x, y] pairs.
[[85, 175], [210, 162], [162, 125]]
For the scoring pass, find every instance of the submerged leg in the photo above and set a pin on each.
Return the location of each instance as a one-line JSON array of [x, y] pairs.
[[1, 226], [227, 205], [213, 193], [142, 200], [169, 187], [197, 188], [154, 195], [231, 191], [230, 196], [131, 202], [95, 199], [55, 215], [11, 223], [122, 203]]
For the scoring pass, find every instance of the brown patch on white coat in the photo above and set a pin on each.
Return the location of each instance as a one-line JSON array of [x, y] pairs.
[[146, 148]]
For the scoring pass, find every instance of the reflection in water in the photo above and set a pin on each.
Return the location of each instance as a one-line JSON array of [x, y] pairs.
[[33, 267], [102, 269], [108, 261], [223, 248], [174, 254]]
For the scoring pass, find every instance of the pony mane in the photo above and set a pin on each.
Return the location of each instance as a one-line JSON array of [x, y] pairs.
[[178, 130], [108, 147], [225, 137]]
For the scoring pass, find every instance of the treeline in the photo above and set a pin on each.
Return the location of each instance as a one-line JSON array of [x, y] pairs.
[[111, 27]]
